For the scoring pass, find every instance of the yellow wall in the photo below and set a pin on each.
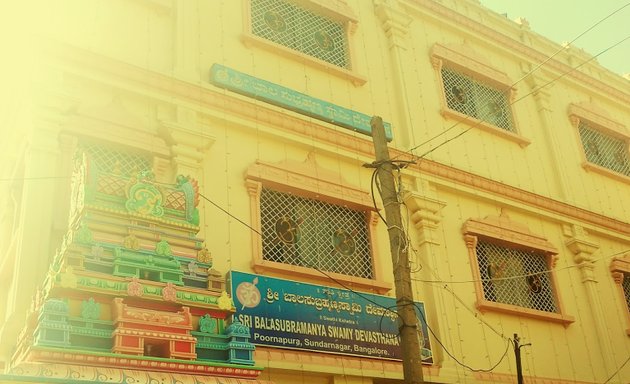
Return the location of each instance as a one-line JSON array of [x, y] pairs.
[[129, 72]]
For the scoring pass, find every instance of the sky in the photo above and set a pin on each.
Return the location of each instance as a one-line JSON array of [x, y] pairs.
[[564, 20]]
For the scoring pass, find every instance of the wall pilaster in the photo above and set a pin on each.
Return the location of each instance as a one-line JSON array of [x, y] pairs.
[[395, 23], [424, 213], [583, 250], [188, 142]]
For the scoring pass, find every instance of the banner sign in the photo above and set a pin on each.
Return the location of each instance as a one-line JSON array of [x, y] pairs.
[[275, 94], [288, 314]]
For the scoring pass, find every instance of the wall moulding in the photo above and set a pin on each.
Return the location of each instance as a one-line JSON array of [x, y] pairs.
[[596, 115], [233, 107], [513, 47]]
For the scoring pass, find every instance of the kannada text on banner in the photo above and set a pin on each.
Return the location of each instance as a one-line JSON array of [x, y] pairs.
[[283, 313]]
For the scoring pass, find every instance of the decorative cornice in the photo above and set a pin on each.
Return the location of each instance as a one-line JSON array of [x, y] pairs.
[[504, 229], [621, 264], [464, 59], [127, 366], [395, 23], [579, 244], [336, 9], [167, 87], [497, 188], [92, 282], [425, 211], [309, 177], [513, 45], [582, 249], [594, 114]]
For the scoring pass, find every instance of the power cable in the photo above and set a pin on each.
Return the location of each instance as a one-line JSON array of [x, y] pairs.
[[481, 119], [359, 294], [617, 371], [229, 214], [507, 347], [564, 47], [308, 265], [519, 276]]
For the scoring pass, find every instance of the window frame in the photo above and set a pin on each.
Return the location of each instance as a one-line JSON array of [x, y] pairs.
[[597, 119], [336, 10], [309, 181], [466, 62], [620, 270], [504, 232]]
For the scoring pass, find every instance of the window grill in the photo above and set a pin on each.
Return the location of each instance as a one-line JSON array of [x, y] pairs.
[[626, 289], [604, 150], [107, 160], [297, 28], [472, 98], [516, 277], [314, 234]]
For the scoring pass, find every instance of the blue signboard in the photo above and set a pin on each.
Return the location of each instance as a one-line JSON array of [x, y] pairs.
[[288, 314], [271, 93]]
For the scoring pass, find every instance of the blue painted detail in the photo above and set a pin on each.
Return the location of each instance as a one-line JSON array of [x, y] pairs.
[[271, 93], [287, 314]]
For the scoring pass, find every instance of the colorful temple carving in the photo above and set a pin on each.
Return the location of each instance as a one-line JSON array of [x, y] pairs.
[[132, 291]]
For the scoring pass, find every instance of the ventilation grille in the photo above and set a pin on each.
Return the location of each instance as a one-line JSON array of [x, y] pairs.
[[515, 277], [287, 24], [604, 150], [626, 289], [474, 99], [106, 160], [314, 234]]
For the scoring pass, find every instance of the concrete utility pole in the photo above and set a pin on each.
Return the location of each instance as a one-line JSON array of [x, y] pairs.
[[407, 320]]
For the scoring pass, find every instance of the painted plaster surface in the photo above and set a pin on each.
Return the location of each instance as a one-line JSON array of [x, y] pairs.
[[179, 203]]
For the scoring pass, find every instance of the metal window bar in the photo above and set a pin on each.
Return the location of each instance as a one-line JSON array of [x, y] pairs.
[[472, 98], [108, 160], [300, 29], [531, 286], [605, 151], [314, 234], [626, 289]]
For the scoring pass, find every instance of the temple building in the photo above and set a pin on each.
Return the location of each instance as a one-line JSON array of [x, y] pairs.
[[189, 195]]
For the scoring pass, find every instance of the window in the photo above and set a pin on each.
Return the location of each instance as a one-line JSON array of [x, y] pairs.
[[474, 92], [605, 143], [603, 150], [312, 221], [314, 234], [620, 269], [499, 264], [318, 32], [513, 269], [475, 99], [297, 28], [107, 160]]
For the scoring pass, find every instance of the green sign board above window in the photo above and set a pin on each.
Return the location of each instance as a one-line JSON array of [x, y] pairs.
[[247, 85]]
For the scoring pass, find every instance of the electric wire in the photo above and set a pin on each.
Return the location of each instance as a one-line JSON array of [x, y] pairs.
[[359, 294], [336, 281], [519, 276], [410, 151], [229, 214], [507, 347], [423, 321], [617, 371], [480, 120]]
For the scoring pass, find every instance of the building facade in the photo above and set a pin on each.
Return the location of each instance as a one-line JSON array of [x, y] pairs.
[[160, 157]]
